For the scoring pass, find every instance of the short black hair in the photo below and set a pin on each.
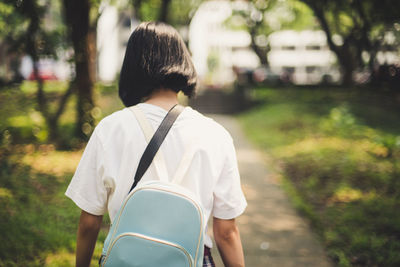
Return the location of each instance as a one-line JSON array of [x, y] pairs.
[[156, 57]]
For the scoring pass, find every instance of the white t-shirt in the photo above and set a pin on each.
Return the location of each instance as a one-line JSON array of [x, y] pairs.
[[108, 164]]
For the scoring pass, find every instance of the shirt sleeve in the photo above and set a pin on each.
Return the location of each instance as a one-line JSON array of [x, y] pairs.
[[87, 188], [229, 200]]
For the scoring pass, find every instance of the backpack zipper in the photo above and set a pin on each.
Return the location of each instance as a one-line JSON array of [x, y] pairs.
[[150, 239], [169, 191]]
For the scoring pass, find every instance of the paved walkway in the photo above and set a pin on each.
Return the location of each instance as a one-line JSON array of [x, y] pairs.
[[273, 234]]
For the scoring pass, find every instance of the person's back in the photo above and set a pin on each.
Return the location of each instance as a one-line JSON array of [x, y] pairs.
[[105, 173]]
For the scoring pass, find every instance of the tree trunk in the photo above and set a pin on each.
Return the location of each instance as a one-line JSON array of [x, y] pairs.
[[31, 40], [32, 50], [261, 52], [85, 78], [343, 53], [347, 63], [83, 38], [137, 14], [164, 11], [347, 74]]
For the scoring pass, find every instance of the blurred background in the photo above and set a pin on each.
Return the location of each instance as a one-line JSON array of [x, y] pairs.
[[314, 84]]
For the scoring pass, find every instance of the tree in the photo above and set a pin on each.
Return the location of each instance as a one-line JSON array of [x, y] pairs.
[[8, 17], [82, 32], [164, 10], [28, 36], [260, 18], [255, 24], [137, 13], [175, 12], [360, 24]]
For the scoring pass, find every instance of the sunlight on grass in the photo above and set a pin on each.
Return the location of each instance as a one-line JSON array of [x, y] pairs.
[[30, 87], [339, 159], [60, 259], [338, 152], [361, 148], [58, 163], [66, 258], [5, 193], [19, 121], [347, 194], [38, 222]]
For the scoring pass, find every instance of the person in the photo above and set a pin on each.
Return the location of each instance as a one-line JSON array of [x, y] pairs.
[[156, 67]]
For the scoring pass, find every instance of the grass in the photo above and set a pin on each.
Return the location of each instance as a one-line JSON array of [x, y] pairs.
[[38, 222], [338, 152]]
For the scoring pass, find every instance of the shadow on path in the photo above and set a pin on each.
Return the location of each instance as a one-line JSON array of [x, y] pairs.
[[221, 101], [272, 232]]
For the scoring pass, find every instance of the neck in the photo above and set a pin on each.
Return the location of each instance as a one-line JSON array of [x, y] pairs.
[[164, 98]]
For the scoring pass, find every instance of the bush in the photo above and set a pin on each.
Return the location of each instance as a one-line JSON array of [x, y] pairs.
[[340, 168]]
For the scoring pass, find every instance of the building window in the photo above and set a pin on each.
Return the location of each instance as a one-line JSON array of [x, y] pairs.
[[288, 69], [311, 69], [126, 22], [313, 47], [288, 47]]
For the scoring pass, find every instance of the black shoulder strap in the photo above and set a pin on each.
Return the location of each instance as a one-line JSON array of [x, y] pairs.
[[155, 143]]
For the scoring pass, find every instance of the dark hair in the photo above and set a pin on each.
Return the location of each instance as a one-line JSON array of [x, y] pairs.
[[156, 57]]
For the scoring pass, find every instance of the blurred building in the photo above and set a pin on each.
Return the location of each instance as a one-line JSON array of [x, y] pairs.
[[389, 54], [113, 30], [216, 49], [302, 57]]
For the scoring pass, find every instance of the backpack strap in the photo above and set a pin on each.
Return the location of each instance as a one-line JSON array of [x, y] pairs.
[[143, 122], [156, 142], [148, 132], [184, 164]]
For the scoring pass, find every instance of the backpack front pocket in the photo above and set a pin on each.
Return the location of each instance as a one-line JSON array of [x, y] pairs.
[[132, 249]]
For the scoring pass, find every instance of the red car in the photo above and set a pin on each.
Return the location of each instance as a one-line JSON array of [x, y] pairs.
[[46, 71]]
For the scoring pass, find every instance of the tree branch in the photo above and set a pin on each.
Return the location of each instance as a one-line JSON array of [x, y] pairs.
[[163, 17], [319, 13], [63, 101], [136, 9]]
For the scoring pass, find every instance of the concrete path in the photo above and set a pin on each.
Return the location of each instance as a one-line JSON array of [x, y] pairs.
[[273, 234]]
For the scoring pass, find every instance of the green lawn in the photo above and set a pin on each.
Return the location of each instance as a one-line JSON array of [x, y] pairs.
[[337, 149], [38, 223], [338, 152]]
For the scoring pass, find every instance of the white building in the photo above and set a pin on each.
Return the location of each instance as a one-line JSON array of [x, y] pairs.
[[113, 30], [215, 48], [303, 56]]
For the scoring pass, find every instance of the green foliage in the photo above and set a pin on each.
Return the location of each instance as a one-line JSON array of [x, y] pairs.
[[15, 21], [356, 27], [8, 17], [340, 166], [19, 118], [38, 222], [149, 10], [265, 17], [180, 12], [262, 17], [302, 17], [35, 216], [20, 122]]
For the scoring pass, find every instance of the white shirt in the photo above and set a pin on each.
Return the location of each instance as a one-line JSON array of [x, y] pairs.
[[108, 164]]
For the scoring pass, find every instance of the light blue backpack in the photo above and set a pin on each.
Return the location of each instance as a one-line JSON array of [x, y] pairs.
[[159, 223]]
